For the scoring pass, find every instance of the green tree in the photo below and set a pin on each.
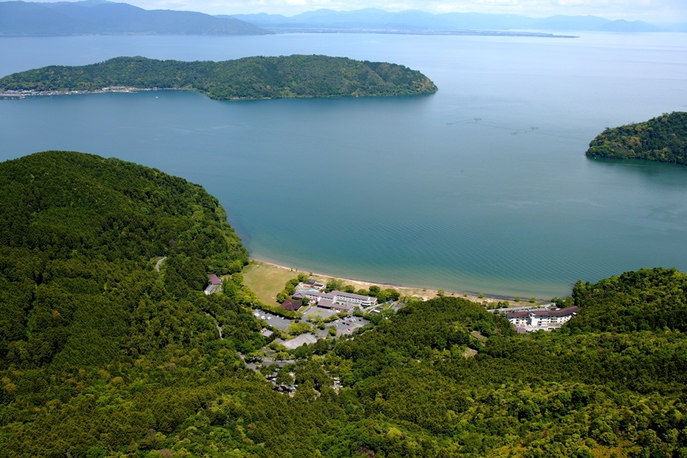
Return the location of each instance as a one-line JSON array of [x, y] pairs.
[[284, 378]]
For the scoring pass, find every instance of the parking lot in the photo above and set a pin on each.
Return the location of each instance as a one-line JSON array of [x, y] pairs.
[[343, 325], [318, 311], [347, 325], [273, 320]]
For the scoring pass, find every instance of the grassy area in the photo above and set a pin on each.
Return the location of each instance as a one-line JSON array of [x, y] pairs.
[[266, 280]]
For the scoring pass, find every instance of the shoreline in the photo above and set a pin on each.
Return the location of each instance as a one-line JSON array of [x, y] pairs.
[[424, 293], [23, 93]]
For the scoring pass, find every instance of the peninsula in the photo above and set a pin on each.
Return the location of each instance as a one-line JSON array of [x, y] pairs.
[[107, 351], [247, 78], [661, 139]]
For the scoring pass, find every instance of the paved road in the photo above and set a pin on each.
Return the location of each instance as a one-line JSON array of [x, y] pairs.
[[522, 308]]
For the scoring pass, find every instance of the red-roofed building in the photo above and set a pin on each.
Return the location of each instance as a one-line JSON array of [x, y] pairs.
[[291, 305], [215, 284]]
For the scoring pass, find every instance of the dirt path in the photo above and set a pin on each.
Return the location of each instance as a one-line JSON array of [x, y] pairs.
[[159, 263]]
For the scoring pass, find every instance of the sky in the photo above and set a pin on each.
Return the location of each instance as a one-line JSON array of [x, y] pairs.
[[646, 10]]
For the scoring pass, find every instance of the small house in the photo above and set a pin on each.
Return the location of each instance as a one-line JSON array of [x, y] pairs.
[[215, 284]]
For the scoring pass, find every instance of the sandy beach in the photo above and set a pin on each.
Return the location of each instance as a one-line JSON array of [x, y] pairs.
[[424, 293]]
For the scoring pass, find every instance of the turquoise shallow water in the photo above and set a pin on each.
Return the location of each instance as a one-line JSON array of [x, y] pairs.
[[481, 187]]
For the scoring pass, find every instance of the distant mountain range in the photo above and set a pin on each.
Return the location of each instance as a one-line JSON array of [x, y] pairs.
[[103, 17], [413, 21]]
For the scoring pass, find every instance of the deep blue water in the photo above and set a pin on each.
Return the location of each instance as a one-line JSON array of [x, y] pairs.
[[481, 187]]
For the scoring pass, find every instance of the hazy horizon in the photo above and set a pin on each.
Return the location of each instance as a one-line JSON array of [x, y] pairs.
[[656, 11]]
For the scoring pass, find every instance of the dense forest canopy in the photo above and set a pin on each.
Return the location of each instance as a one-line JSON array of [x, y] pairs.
[[662, 139], [102, 355], [247, 78], [648, 299], [77, 238]]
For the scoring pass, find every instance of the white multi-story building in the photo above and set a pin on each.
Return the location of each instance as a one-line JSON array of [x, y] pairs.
[[355, 299], [534, 320], [337, 299]]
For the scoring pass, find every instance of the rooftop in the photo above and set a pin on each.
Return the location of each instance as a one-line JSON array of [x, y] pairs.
[[352, 295], [291, 305], [561, 312], [543, 313]]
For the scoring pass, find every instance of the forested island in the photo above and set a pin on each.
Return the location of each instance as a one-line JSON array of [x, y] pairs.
[[102, 355], [247, 78], [661, 139]]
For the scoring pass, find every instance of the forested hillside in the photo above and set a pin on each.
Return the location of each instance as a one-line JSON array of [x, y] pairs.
[[84, 311], [556, 394], [662, 139], [648, 299], [101, 355], [247, 78]]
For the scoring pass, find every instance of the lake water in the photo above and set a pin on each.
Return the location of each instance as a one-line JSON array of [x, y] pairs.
[[482, 187]]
